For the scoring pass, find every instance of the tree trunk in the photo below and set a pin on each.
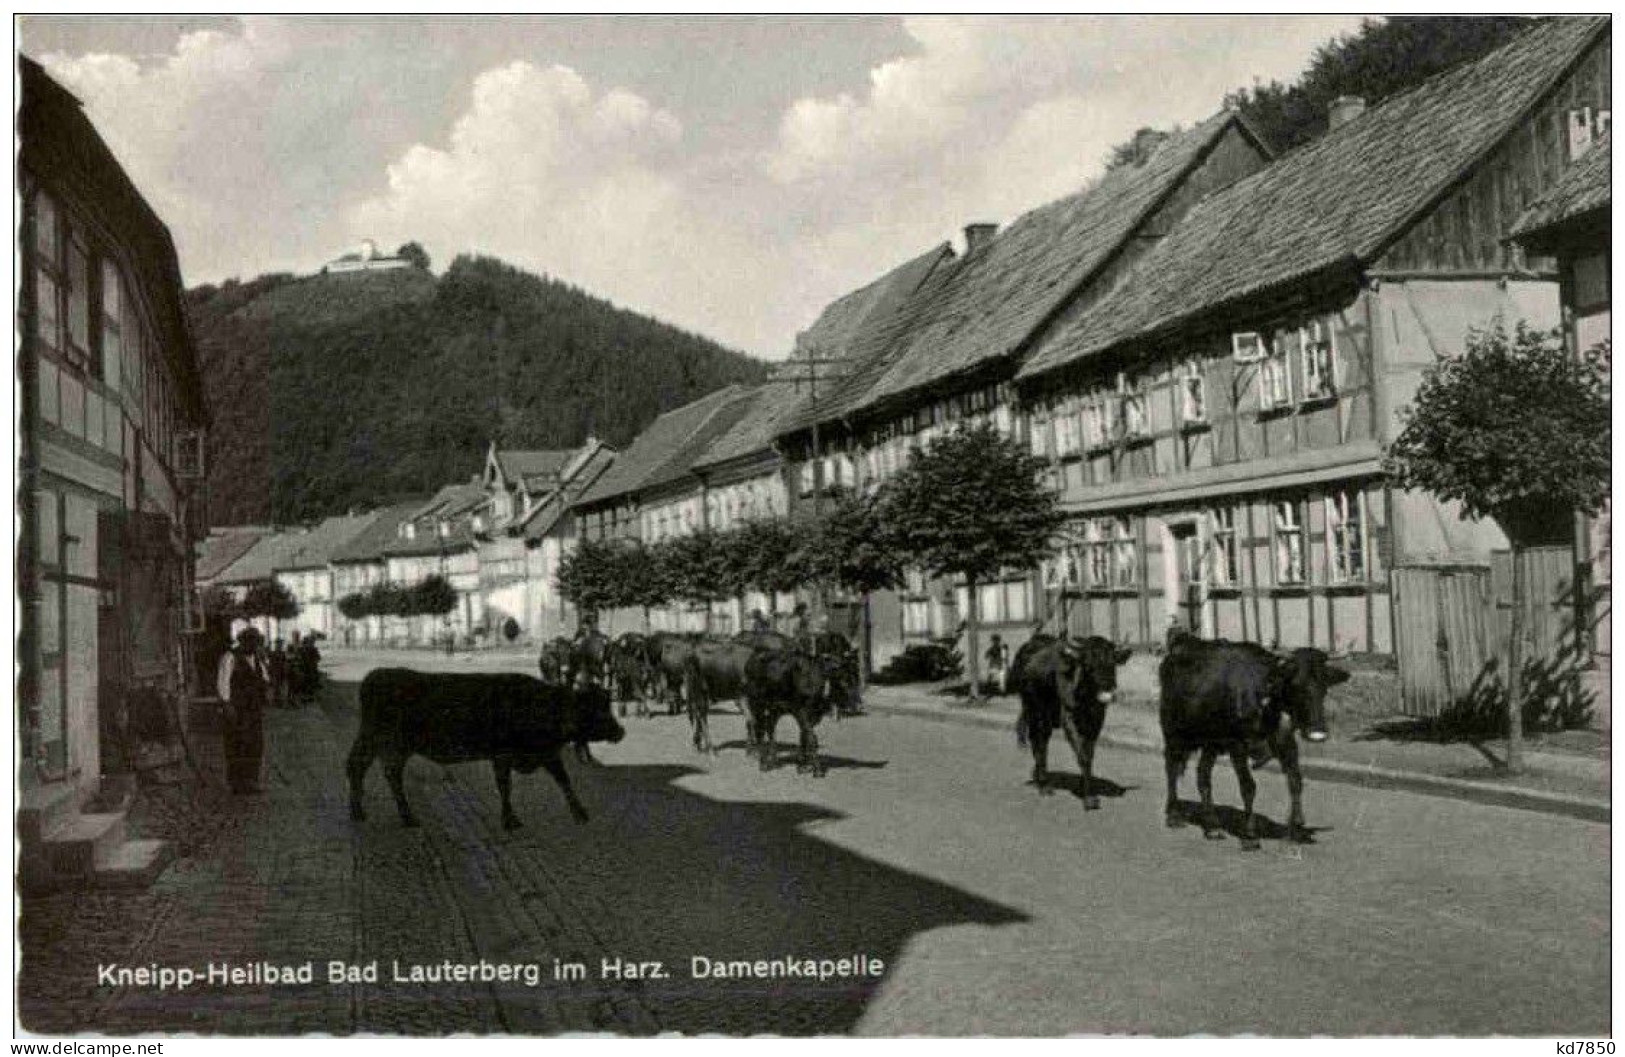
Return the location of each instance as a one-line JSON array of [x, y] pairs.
[[863, 645], [1514, 761], [973, 656], [646, 620]]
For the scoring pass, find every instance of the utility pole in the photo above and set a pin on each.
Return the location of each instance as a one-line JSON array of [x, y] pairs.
[[805, 369]]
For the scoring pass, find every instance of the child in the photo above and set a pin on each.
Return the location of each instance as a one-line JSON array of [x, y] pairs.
[[998, 662]]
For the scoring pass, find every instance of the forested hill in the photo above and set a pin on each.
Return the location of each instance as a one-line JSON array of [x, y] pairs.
[[347, 390]]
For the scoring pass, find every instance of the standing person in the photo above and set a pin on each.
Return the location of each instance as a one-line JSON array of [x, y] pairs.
[[244, 686], [998, 662], [801, 626], [308, 661], [759, 624], [296, 674], [278, 667]]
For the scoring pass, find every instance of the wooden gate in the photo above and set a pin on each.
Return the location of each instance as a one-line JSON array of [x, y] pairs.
[[1452, 625]]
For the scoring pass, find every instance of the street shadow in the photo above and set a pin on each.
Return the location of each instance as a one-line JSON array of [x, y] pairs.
[[1230, 821], [785, 755], [659, 873], [1073, 783]]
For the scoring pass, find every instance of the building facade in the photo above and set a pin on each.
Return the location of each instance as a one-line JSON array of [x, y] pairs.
[[112, 420]]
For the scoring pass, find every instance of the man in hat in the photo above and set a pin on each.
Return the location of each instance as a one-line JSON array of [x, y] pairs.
[[244, 685]]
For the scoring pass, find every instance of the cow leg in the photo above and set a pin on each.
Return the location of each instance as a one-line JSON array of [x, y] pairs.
[[1286, 750], [1174, 761], [1244, 778], [1204, 785], [808, 760], [356, 767], [394, 773], [502, 767], [584, 753], [767, 747], [1038, 739], [1083, 745], [555, 767]]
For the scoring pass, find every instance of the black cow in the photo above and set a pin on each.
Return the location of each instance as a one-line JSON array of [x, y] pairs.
[[714, 670], [801, 684], [669, 653], [1066, 684], [514, 721], [1236, 698], [589, 655]]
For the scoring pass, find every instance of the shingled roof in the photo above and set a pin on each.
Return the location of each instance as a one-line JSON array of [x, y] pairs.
[[1586, 187], [368, 544], [999, 295], [1337, 201], [870, 345], [517, 466], [220, 548], [315, 548], [768, 408], [660, 443]]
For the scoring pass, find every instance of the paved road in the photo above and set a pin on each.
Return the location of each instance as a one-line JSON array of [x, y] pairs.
[[994, 910]]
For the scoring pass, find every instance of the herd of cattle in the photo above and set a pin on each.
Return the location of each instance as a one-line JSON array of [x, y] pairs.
[[1238, 699]]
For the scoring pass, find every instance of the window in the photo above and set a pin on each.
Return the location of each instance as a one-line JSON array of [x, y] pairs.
[[807, 477], [1038, 428], [1248, 347], [1002, 420], [1096, 416], [1288, 527], [1125, 559], [989, 603], [1068, 438], [917, 617], [914, 581], [1063, 570], [1585, 127], [1222, 527], [1133, 414], [1100, 553], [1018, 601], [1345, 535], [1274, 381], [77, 280], [1192, 395], [47, 272], [1319, 360]]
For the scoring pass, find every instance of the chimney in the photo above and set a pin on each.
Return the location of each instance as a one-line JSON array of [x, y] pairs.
[[977, 236], [1344, 108]]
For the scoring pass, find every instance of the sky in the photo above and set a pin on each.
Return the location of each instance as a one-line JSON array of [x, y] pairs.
[[730, 175]]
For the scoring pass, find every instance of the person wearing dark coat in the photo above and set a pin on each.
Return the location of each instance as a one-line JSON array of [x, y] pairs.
[[308, 660], [277, 665], [245, 688]]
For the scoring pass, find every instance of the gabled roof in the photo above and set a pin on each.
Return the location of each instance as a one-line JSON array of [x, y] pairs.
[[870, 344], [264, 558], [221, 547], [520, 466], [368, 544], [1002, 293], [451, 500], [1339, 200], [657, 445], [547, 513], [315, 548], [1584, 188]]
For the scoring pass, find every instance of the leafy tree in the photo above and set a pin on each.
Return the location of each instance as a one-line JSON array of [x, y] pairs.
[[416, 254], [433, 596], [768, 556], [645, 581], [268, 598], [591, 576], [699, 569], [850, 548], [971, 506], [1514, 429]]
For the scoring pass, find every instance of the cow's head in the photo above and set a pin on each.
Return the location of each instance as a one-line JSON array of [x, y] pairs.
[[592, 717], [1090, 666], [840, 680], [1302, 677]]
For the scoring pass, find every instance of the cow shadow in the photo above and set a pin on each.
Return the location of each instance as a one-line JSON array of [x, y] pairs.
[[785, 755], [664, 873], [1073, 783], [1230, 821]]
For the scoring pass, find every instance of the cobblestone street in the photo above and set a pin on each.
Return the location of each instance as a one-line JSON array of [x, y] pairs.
[[994, 910]]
